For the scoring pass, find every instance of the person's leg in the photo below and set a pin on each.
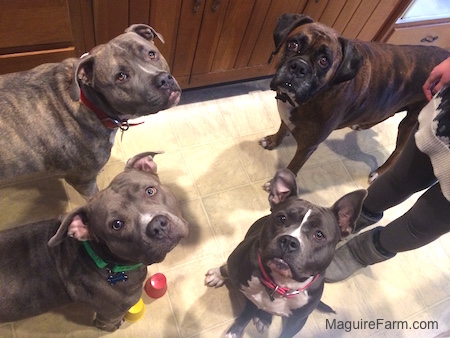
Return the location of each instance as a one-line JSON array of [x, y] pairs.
[[428, 219], [412, 172]]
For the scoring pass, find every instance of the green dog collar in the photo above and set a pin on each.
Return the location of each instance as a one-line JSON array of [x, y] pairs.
[[102, 264]]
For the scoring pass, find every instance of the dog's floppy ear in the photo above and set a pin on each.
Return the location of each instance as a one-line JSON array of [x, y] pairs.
[[84, 72], [143, 161], [347, 210], [352, 60], [73, 225], [281, 186], [145, 31], [287, 23]]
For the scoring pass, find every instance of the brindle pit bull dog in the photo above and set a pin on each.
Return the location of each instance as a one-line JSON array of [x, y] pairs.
[[326, 82], [96, 255], [63, 117], [280, 265]]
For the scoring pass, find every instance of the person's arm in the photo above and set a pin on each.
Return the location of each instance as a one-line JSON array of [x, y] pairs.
[[439, 76]]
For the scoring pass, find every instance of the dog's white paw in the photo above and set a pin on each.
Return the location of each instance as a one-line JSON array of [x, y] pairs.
[[214, 278], [266, 186], [372, 177], [260, 325], [263, 143], [232, 335], [356, 127]]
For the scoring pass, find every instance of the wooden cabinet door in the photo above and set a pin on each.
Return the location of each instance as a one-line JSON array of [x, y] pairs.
[[235, 39], [36, 32], [188, 29], [360, 19]]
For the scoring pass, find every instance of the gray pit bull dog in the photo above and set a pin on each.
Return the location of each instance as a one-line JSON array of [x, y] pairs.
[[96, 255], [62, 117], [280, 265]]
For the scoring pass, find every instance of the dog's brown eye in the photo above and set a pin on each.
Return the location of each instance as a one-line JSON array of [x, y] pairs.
[[117, 225], [122, 76], [292, 45], [152, 54], [281, 219], [319, 235], [323, 61], [150, 191]]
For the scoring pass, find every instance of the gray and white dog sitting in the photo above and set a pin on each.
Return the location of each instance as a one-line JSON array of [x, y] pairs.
[[97, 255], [280, 265], [62, 117]]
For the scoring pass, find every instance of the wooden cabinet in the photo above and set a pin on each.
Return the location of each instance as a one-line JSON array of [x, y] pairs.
[[35, 32], [424, 33], [424, 22], [206, 41]]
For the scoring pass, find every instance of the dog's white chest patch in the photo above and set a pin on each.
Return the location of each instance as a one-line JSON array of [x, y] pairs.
[[285, 109], [280, 306]]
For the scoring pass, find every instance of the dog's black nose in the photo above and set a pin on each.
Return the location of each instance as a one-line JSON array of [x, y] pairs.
[[164, 80], [289, 243], [298, 67], [158, 227]]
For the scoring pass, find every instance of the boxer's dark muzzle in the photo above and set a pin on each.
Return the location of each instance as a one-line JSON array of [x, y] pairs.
[[294, 78]]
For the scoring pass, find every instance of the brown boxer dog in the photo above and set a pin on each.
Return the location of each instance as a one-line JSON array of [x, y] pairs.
[[326, 82]]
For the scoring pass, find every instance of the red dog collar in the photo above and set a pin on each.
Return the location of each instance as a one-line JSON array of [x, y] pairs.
[[271, 285], [107, 121]]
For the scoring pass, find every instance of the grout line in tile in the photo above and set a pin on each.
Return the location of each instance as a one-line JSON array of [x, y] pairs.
[[212, 327]]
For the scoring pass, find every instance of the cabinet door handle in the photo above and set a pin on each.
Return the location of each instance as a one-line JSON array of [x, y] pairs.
[[430, 39], [197, 4], [215, 5]]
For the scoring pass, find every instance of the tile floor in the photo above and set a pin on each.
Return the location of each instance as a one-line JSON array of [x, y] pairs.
[[215, 166]]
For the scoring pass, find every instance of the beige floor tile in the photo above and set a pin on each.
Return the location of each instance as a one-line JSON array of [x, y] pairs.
[[200, 242], [348, 142], [215, 167], [72, 321], [174, 173], [231, 214], [347, 300], [445, 243], [328, 182], [324, 153], [195, 306], [360, 165], [429, 271], [388, 290], [6, 331], [258, 162], [245, 114], [32, 201], [199, 123], [441, 315], [154, 134]]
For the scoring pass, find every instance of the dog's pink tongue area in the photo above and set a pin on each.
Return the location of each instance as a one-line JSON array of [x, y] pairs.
[[280, 266]]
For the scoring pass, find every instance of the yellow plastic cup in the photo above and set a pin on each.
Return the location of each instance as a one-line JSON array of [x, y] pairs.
[[136, 311]]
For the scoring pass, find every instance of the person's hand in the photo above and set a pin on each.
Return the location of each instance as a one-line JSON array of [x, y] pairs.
[[439, 76]]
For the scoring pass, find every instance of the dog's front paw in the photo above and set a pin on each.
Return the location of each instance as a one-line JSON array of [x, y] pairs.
[[260, 325], [262, 321], [214, 278], [269, 142], [107, 326], [373, 176]]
